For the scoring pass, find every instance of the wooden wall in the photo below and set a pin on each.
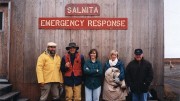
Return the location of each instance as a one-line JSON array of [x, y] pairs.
[[145, 30], [4, 49]]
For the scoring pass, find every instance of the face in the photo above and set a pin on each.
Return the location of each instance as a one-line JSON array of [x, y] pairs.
[[138, 57], [52, 49], [93, 55], [72, 50], [113, 57]]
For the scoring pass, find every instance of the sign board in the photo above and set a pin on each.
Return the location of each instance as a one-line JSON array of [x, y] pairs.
[[82, 10], [84, 23]]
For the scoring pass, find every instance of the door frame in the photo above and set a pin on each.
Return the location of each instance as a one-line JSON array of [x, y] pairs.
[[8, 32]]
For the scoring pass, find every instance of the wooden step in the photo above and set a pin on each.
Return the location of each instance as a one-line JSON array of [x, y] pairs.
[[3, 81], [5, 88], [22, 99], [9, 96]]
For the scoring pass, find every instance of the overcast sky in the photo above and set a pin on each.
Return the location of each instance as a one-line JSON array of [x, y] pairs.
[[172, 28]]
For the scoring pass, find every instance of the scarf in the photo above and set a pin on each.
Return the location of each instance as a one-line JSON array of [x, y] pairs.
[[113, 63]]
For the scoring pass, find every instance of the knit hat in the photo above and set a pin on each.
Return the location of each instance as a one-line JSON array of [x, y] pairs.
[[51, 44]]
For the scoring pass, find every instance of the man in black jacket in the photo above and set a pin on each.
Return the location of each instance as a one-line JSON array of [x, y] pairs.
[[139, 75]]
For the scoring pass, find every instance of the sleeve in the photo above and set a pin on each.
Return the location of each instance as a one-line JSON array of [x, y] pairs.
[[100, 70], [39, 69], [122, 71], [93, 72], [106, 66], [149, 75], [127, 76], [63, 68], [87, 70], [60, 72], [82, 61], [82, 65]]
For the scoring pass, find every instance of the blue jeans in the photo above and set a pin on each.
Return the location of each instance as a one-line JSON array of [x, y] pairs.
[[92, 94], [139, 97]]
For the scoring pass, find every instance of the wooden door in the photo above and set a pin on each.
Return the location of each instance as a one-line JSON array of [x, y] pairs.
[[4, 37]]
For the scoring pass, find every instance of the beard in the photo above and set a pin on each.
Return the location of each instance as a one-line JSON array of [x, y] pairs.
[[52, 52]]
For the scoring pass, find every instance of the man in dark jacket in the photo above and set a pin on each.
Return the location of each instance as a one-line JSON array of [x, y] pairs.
[[139, 75], [72, 66]]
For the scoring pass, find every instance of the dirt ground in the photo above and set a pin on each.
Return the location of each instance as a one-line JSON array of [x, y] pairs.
[[172, 82]]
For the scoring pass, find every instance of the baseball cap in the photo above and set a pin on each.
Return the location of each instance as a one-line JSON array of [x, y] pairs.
[[138, 51]]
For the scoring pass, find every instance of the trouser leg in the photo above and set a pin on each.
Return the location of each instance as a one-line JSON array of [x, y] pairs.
[[69, 93], [45, 91], [135, 97], [96, 94], [55, 90], [88, 94], [77, 93], [143, 97]]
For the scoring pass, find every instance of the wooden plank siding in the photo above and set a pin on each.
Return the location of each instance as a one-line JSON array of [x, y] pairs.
[[4, 35], [145, 30]]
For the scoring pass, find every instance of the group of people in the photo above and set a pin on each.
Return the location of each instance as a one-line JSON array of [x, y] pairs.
[[71, 71]]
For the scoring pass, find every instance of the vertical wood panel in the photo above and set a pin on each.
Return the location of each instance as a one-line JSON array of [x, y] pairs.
[[96, 35], [121, 35], [48, 10], [105, 44], [17, 42], [85, 37], [30, 41], [112, 33], [61, 37], [157, 30], [4, 49]]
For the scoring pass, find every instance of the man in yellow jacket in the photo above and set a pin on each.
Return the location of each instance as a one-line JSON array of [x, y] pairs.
[[48, 72]]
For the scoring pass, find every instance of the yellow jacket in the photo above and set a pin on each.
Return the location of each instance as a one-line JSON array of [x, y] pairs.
[[48, 69]]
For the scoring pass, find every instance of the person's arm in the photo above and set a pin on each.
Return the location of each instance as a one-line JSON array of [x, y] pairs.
[[99, 71], [60, 73], [127, 76], [63, 68], [88, 70], [122, 71], [39, 69], [149, 74], [82, 61], [106, 66]]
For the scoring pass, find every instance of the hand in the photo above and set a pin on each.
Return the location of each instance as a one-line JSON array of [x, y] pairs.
[[60, 85], [67, 64], [123, 88], [87, 68], [42, 84], [128, 89], [116, 80]]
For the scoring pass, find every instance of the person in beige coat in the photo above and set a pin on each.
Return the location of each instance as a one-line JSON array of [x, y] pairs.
[[114, 84], [48, 72]]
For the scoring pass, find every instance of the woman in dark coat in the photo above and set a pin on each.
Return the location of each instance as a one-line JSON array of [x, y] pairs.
[[93, 76]]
